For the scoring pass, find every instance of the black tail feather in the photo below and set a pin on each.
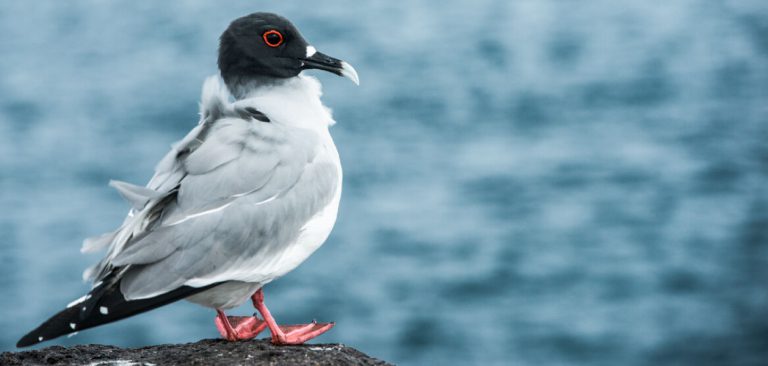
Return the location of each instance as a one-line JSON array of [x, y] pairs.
[[105, 304]]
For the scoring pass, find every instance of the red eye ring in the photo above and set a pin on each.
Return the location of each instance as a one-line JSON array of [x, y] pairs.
[[270, 40]]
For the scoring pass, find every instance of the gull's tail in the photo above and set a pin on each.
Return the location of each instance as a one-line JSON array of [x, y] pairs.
[[103, 304]]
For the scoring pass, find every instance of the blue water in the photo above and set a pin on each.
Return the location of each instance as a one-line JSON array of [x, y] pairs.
[[526, 182]]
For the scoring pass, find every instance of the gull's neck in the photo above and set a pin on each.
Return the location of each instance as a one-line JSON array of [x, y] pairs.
[[293, 101], [243, 87]]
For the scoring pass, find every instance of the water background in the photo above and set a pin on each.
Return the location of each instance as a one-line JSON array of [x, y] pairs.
[[526, 182]]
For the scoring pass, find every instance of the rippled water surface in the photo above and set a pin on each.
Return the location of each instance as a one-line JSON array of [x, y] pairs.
[[526, 182]]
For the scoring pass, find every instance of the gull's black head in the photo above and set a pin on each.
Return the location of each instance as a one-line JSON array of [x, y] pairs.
[[266, 46]]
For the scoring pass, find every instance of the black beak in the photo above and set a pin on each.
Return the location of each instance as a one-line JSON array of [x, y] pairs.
[[319, 60]]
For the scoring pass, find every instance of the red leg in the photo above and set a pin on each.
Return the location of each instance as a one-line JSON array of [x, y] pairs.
[[236, 328], [288, 334]]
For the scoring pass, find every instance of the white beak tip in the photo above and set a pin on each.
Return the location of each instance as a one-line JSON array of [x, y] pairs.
[[349, 72]]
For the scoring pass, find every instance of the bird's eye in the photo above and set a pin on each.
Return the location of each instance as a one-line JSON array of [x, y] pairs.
[[272, 38]]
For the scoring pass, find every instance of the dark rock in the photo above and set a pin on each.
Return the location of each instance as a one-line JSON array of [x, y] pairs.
[[205, 352]]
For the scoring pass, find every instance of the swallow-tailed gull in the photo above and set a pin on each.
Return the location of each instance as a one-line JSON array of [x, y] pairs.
[[244, 198]]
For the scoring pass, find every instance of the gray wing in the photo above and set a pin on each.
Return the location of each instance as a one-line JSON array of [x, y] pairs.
[[226, 200]]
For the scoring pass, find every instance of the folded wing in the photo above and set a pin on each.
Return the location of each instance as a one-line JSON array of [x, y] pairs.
[[222, 205]]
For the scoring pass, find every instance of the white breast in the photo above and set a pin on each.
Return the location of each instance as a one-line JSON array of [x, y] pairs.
[[295, 103], [313, 234]]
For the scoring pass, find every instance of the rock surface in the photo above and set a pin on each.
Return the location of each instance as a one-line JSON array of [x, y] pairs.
[[204, 352]]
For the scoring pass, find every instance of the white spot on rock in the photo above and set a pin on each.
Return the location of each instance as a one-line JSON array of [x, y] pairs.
[[326, 349], [39, 339], [120, 363], [72, 325], [104, 310]]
